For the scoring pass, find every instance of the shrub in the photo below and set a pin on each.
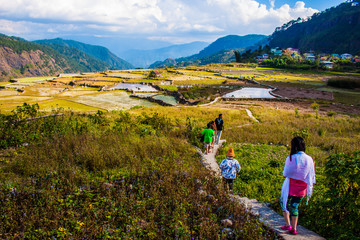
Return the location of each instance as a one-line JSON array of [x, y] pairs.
[[304, 133], [331, 113]]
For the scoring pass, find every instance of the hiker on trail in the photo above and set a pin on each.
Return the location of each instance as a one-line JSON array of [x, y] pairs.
[[208, 135], [219, 128], [299, 173], [229, 168], [213, 127]]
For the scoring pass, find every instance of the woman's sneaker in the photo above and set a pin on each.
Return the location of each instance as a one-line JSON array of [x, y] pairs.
[[293, 232], [286, 227]]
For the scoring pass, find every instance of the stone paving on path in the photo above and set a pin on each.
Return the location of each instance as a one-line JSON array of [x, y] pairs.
[[267, 215]]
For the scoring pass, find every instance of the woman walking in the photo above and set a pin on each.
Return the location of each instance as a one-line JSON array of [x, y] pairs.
[[299, 172]]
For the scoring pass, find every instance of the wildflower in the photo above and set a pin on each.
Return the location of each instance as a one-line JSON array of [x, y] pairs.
[[80, 223]]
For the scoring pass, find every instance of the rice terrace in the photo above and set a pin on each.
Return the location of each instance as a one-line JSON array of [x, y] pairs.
[[143, 120]]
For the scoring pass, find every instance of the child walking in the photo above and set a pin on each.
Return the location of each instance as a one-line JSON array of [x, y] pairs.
[[208, 137], [229, 168]]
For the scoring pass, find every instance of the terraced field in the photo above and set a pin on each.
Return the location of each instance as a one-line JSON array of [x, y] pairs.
[[83, 89]]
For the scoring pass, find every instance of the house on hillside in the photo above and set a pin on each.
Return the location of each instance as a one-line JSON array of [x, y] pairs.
[[311, 58], [324, 59], [296, 51], [357, 60], [265, 56], [346, 56], [334, 55], [328, 64], [259, 59], [154, 74], [355, 4], [293, 51], [276, 51]]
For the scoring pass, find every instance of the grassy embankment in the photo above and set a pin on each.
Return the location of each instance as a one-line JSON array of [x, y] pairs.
[[128, 175], [262, 148]]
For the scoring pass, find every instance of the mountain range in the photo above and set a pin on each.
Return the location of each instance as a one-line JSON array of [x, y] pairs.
[[218, 51], [143, 58], [21, 58]]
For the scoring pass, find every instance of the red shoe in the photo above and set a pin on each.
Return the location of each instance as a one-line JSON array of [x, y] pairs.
[[293, 232], [286, 227]]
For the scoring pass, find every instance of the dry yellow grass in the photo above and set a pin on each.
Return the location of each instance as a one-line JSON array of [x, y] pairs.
[[34, 79]]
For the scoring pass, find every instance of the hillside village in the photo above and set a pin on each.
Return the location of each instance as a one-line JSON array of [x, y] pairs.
[[326, 59]]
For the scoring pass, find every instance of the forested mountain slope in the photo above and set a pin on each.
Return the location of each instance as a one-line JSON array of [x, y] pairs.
[[336, 30], [97, 52], [19, 58], [218, 51]]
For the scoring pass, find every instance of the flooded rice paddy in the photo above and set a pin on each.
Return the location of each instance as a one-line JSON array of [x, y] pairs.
[[134, 87], [250, 93]]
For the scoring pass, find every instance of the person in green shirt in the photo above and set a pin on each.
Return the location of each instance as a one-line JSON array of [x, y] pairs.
[[208, 137]]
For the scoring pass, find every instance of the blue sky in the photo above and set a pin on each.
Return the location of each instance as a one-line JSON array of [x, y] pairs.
[[173, 21], [317, 4]]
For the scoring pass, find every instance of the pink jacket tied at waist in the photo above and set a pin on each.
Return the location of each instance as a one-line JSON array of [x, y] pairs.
[[301, 167]]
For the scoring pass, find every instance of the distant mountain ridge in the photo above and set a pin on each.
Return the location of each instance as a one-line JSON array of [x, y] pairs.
[[336, 30], [143, 58], [231, 42], [218, 51], [97, 52]]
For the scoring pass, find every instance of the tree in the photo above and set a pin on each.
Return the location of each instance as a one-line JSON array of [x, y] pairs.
[[237, 56]]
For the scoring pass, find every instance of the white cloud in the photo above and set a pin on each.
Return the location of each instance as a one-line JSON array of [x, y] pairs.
[[272, 3], [172, 19]]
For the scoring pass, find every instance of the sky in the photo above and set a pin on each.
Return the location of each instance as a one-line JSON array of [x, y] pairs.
[[171, 21]]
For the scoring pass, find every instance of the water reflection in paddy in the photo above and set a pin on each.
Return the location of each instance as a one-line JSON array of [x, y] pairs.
[[134, 87], [250, 93], [167, 99]]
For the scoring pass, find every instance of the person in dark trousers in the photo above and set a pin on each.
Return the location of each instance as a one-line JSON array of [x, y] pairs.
[[229, 168], [219, 128]]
